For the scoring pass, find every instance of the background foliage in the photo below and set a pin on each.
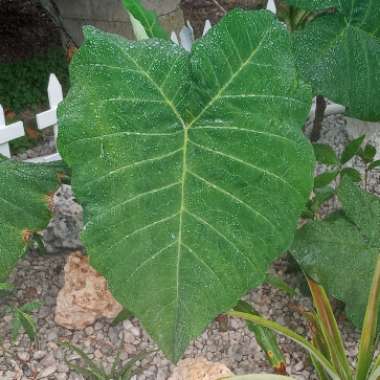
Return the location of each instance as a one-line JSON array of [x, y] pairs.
[[23, 83]]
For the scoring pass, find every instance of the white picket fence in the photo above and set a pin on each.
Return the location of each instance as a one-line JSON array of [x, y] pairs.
[[44, 120]]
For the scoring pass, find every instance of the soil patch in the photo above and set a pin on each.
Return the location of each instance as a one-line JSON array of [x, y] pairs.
[[26, 29]]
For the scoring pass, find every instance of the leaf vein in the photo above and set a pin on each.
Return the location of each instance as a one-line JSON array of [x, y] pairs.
[[222, 89], [198, 258], [233, 158], [269, 134], [137, 163], [233, 197], [152, 257], [127, 133], [141, 195], [216, 231], [146, 227]]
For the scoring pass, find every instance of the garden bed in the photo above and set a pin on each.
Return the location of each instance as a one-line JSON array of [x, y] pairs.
[[41, 277]]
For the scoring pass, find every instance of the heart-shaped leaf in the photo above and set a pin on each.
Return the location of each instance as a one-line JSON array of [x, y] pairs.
[[339, 55], [350, 242], [24, 200], [192, 169]]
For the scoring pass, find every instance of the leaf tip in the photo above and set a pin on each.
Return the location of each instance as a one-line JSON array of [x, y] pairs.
[[89, 31]]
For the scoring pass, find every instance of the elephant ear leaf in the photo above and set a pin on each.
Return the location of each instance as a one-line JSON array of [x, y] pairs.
[[338, 54], [349, 241], [148, 19], [25, 195], [192, 168]]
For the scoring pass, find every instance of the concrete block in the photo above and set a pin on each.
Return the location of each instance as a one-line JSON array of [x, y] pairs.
[[110, 16]]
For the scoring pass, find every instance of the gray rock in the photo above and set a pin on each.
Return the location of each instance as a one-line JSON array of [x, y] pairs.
[[38, 355], [52, 335], [62, 367], [63, 231], [74, 376], [48, 371], [23, 356]]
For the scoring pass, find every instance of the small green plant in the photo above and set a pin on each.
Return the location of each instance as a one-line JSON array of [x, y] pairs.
[[323, 191], [4, 286], [265, 338], [348, 237], [23, 320], [93, 371], [344, 244], [326, 348]]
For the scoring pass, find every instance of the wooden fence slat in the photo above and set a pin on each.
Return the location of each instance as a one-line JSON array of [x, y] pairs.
[[8, 133], [49, 118], [271, 6], [207, 27]]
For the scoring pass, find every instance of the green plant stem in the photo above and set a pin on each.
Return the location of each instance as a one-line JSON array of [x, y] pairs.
[[296, 18], [319, 343], [320, 107], [266, 339], [368, 337], [377, 362], [290, 19], [300, 18], [329, 329], [318, 356]]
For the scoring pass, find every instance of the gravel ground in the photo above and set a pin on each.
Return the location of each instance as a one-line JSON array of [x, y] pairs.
[[41, 278], [46, 148]]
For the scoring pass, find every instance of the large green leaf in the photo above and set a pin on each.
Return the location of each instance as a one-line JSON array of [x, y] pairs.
[[192, 169], [24, 190], [339, 55], [341, 252]]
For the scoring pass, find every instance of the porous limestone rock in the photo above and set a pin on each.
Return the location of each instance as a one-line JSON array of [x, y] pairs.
[[84, 297], [63, 231], [199, 369]]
